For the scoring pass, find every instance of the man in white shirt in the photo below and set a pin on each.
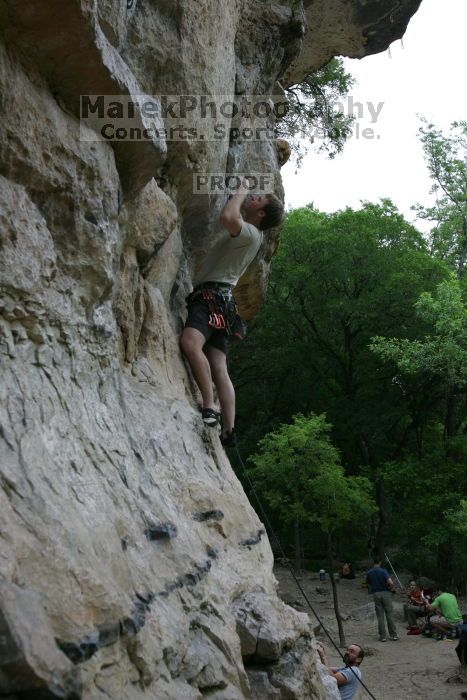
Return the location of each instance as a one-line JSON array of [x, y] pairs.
[[211, 308]]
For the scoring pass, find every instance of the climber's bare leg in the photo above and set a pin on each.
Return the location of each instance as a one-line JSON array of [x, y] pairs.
[[191, 343], [218, 362]]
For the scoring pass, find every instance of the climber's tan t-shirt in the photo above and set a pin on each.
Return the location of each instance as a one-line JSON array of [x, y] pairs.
[[230, 256]]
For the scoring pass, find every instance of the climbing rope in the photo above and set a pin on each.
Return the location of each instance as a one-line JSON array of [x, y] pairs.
[[291, 569]]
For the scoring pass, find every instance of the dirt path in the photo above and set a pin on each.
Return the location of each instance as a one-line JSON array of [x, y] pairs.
[[414, 668]]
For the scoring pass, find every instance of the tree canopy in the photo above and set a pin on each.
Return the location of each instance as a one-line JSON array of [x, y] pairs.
[[366, 323], [299, 472], [314, 118], [362, 323], [446, 158]]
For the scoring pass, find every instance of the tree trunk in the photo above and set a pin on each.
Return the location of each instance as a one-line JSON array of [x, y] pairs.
[[445, 563], [378, 540], [297, 546], [381, 528], [450, 414], [462, 250], [340, 625]]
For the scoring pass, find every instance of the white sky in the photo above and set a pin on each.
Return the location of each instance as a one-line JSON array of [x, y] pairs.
[[426, 75]]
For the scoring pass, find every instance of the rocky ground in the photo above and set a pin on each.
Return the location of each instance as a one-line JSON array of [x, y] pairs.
[[414, 668]]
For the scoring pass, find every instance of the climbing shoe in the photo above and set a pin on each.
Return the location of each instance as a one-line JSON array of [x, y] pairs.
[[229, 439], [210, 417]]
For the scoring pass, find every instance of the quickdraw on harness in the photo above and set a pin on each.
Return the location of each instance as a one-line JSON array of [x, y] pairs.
[[222, 308], [222, 311]]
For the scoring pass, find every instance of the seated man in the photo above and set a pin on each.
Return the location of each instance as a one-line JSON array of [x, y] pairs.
[[347, 570], [415, 607], [348, 677], [448, 614]]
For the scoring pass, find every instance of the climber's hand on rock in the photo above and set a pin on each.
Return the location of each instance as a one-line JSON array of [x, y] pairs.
[[245, 186], [321, 655]]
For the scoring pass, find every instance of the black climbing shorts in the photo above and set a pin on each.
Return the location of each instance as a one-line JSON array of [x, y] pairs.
[[198, 317]]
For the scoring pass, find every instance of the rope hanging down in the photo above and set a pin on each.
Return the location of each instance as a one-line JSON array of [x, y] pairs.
[[291, 569]]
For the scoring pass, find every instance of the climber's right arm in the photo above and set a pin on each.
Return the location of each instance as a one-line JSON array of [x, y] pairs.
[[231, 217]]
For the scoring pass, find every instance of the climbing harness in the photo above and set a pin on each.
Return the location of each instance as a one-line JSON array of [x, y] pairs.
[[222, 309], [291, 569]]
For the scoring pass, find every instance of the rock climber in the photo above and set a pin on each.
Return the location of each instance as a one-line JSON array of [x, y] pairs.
[[212, 315]]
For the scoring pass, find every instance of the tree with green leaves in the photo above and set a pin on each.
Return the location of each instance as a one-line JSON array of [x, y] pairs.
[[298, 471], [441, 353], [446, 157], [426, 508], [458, 519], [313, 115], [337, 281], [440, 356]]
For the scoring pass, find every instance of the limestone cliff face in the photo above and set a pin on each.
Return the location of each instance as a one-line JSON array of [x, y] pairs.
[[131, 562]]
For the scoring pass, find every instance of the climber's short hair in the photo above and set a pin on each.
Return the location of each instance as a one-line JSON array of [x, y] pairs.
[[273, 213]]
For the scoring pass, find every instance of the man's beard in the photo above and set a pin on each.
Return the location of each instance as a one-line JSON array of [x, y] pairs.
[[346, 659]]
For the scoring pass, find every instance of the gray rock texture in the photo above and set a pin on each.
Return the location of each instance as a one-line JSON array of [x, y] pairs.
[[131, 562]]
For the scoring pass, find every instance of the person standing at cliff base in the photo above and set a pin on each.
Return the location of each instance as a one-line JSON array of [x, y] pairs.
[[212, 314], [380, 585]]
